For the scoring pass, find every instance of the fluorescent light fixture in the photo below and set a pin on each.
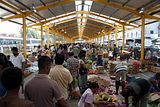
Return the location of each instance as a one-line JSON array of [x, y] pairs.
[[33, 8]]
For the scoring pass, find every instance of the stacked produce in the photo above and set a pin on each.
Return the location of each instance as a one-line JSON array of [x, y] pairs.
[[105, 55], [101, 82], [135, 66], [106, 97], [106, 100]]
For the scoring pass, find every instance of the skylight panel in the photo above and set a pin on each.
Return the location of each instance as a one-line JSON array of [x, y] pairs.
[[78, 15], [85, 15], [88, 2], [79, 8], [79, 20], [100, 18], [78, 2], [128, 27], [86, 8], [83, 20], [69, 17], [92, 16], [110, 21]]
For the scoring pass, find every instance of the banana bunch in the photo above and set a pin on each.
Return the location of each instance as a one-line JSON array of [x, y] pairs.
[[105, 97]]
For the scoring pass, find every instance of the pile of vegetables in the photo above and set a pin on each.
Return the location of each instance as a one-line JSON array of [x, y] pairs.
[[101, 82]]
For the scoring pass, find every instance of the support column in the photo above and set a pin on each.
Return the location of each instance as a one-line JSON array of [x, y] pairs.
[[55, 39], [109, 41], [62, 39], [123, 37], [24, 36], [48, 38], [103, 39], [142, 37], [116, 34], [58, 39], [41, 36]]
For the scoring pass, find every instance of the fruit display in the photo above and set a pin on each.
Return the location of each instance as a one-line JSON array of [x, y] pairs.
[[105, 100], [92, 71], [105, 97]]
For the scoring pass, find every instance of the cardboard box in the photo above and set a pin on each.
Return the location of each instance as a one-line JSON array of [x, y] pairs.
[[155, 69], [153, 97]]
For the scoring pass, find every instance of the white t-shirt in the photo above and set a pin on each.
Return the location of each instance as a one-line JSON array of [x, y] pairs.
[[87, 97], [17, 61]]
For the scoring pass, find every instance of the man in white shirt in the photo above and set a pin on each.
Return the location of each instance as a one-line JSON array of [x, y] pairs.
[[17, 59]]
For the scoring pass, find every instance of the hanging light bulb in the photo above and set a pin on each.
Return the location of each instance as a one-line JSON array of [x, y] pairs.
[[142, 10], [33, 8]]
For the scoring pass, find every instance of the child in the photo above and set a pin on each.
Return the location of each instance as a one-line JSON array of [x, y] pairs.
[[87, 98]]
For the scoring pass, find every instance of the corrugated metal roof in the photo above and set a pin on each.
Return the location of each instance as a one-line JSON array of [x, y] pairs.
[[99, 8]]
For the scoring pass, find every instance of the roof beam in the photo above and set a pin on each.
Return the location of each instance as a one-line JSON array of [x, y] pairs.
[[52, 19], [122, 23], [99, 21], [126, 9], [100, 15], [59, 33], [74, 27], [153, 9], [12, 17], [59, 3], [62, 27], [64, 21], [75, 37], [11, 6]]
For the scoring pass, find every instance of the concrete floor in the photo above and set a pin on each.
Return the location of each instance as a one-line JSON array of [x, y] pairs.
[[74, 102]]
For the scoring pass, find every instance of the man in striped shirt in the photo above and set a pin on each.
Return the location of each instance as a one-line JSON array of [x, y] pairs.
[[121, 72]]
